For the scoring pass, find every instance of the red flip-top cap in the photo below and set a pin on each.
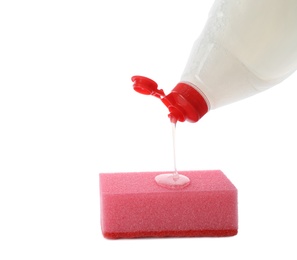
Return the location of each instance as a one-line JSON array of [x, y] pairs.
[[184, 102]]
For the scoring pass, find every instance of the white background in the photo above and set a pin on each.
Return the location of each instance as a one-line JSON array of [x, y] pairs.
[[68, 112]]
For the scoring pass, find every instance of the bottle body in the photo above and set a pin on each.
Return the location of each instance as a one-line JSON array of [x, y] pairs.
[[245, 48]]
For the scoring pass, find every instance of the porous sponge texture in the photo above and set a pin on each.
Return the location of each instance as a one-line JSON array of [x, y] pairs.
[[134, 205]]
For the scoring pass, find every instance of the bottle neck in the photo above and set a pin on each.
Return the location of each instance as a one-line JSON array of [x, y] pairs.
[[185, 103]]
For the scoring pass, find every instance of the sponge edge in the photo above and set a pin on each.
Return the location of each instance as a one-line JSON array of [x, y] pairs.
[[133, 205]]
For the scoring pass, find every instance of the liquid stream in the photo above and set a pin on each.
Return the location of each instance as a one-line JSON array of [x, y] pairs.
[[173, 180]]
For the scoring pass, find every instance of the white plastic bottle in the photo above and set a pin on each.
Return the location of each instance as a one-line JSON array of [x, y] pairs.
[[246, 47]]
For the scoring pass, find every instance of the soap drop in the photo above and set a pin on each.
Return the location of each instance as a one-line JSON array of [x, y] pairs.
[[169, 180], [173, 180]]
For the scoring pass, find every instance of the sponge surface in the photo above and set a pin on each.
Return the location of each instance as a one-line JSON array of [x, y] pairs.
[[134, 205]]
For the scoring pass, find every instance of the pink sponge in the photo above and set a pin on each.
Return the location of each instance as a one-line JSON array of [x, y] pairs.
[[134, 205]]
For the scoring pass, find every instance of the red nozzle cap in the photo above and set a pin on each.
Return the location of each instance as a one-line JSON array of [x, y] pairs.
[[184, 102], [146, 86]]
